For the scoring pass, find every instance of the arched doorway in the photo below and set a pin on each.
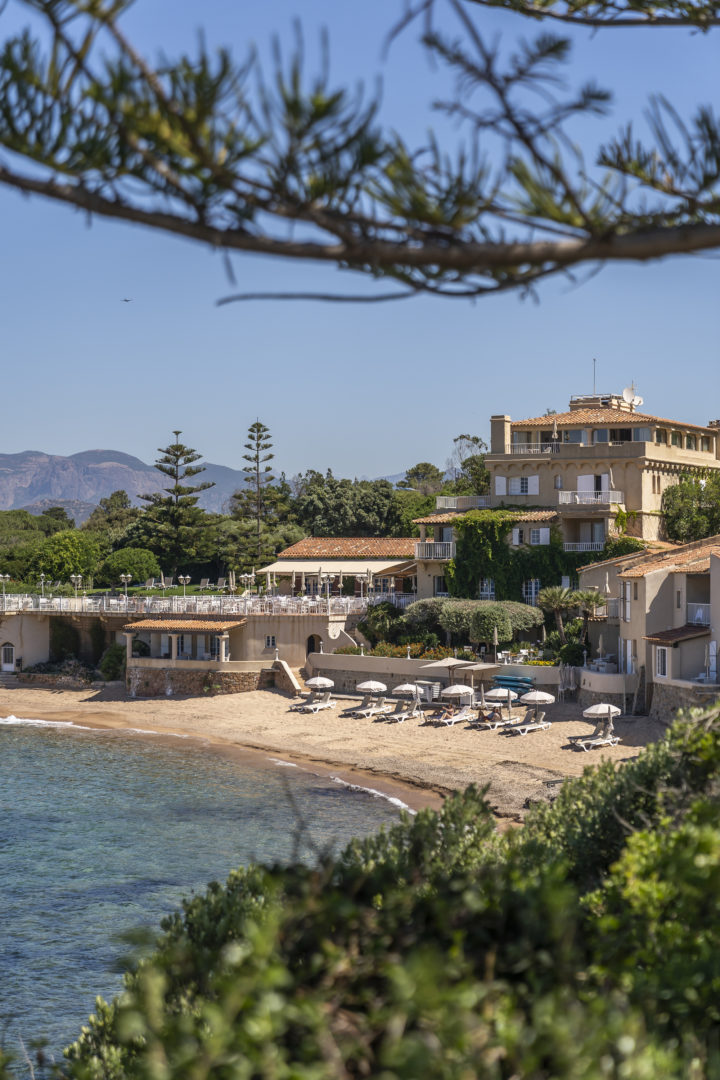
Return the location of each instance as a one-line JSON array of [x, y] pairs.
[[7, 657], [313, 644]]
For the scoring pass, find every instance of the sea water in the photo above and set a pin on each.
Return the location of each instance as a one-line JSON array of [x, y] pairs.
[[104, 833]]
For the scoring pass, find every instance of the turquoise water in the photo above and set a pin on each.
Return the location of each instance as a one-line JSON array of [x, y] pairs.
[[105, 832]]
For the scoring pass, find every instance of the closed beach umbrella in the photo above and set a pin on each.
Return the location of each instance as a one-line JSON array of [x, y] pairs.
[[537, 697], [319, 682], [457, 690], [372, 687]]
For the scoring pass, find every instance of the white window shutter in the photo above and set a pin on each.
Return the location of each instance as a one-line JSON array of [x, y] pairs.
[[516, 537], [500, 485], [605, 481], [544, 536], [533, 485], [586, 482]]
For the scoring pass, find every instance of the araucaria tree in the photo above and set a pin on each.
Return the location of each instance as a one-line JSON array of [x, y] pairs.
[[200, 146], [255, 501], [173, 522]]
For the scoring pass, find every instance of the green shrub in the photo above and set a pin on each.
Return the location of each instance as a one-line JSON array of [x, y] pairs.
[[112, 662], [139, 562], [572, 653], [423, 617], [64, 640]]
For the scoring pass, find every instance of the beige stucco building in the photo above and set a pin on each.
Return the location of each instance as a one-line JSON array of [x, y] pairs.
[[599, 459]]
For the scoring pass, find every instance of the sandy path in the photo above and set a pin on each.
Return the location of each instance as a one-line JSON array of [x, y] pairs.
[[418, 762]]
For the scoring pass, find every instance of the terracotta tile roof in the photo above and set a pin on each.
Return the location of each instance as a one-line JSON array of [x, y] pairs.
[[687, 558], [652, 547], [440, 519], [605, 418], [184, 626], [680, 633], [538, 515], [351, 547]]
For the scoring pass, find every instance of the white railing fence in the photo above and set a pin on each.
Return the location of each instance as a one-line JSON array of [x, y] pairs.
[[191, 605], [589, 498], [584, 545], [461, 502], [438, 550]]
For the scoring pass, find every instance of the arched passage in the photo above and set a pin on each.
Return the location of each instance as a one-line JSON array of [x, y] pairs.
[[7, 656], [313, 644]]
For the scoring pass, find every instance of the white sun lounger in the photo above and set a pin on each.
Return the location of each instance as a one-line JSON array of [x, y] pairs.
[[376, 709], [493, 725], [308, 700], [405, 712], [466, 713], [323, 702], [524, 727], [360, 709], [592, 743]]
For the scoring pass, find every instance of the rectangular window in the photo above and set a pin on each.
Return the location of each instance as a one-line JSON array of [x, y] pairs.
[[676, 438], [518, 485], [572, 436], [705, 442], [620, 435], [269, 641], [641, 434], [601, 435], [678, 596], [690, 442], [487, 589], [635, 590], [534, 536], [660, 662], [530, 590], [661, 436]]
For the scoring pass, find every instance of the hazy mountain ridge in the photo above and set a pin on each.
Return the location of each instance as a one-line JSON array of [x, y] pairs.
[[33, 477]]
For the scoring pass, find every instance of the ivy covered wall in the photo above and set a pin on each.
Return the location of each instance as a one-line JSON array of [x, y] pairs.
[[482, 551]]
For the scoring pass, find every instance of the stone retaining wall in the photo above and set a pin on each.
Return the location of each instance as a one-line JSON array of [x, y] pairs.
[[586, 698], [668, 699], [172, 682], [62, 682]]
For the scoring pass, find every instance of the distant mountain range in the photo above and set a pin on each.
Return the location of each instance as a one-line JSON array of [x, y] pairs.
[[35, 481]]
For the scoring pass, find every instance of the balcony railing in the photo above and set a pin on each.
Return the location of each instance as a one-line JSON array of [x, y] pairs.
[[698, 614], [461, 502], [590, 498], [440, 550], [585, 545], [527, 449], [608, 608]]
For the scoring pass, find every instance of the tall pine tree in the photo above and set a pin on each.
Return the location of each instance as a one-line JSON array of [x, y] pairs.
[[173, 521], [257, 500]]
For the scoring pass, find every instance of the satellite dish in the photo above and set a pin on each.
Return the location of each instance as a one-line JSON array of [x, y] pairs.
[[637, 401], [628, 394]]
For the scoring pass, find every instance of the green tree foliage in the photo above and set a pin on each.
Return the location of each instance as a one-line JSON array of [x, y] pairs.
[[236, 542], [259, 499], [467, 466], [202, 146], [326, 506], [558, 601], [456, 618], [67, 552], [423, 617], [172, 525], [585, 945], [139, 562], [409, 505], [113, 514], [691, 508], [423, 477], [55, 519], [489, 617]]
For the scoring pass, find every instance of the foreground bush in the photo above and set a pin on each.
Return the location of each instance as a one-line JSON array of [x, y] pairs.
[[586, 945]]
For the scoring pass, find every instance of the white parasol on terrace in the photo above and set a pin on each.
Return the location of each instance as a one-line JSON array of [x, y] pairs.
[[372, 686], [319, 682], [537, 697]]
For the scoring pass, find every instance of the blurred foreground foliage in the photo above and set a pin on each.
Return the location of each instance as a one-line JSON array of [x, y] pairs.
[[585, 945]]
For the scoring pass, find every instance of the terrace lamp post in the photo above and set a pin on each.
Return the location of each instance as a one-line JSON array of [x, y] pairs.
[[4, 578], [77, 582], [126, 579], [184, 580], [42, 586]]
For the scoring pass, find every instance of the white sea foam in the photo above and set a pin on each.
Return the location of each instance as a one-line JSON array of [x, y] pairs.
[[16, 721], [378, 794], [283, 764]]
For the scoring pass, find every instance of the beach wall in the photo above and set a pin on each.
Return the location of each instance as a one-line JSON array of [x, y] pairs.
[[347, 670], [183, 682], [669, 698]]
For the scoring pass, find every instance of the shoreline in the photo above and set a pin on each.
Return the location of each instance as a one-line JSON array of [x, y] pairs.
[[416, 764]]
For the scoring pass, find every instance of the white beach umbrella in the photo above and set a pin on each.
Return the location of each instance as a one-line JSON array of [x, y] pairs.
[[409, 688], [501, 693], [457, 690], [319, 682], [372, 687], [603, 708], [537, 697]]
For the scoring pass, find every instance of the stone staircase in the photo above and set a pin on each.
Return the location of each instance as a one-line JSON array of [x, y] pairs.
[[8, 680]]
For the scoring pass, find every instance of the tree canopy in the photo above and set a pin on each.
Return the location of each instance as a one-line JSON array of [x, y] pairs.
[[691, 507], [209, 147]]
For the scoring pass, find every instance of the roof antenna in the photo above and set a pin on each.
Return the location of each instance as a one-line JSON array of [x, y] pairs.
[[594, 363]]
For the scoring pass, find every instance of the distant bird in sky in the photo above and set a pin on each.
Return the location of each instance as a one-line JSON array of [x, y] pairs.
[[127, 300]]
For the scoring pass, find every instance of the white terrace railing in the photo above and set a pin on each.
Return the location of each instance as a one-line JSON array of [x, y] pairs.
[[191, 605], [590, 498], [461, 502], [698, 614], [435, 550], [584, 545], [399, 599]]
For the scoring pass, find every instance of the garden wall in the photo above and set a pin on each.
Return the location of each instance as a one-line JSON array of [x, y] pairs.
[[181, 682]]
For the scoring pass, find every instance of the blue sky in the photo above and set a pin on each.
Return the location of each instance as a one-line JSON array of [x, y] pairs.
[[365, 391]]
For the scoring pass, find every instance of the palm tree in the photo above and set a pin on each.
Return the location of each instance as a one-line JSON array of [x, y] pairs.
[[558, 600], [587, 600]]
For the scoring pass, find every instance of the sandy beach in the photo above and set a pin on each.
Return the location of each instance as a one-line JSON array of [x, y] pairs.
[[419, 763]]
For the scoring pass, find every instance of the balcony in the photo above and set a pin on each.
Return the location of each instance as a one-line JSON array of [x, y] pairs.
[[590, 498], [608, 608], [698, 614], [585, 545], [439, 551], [461, 502]]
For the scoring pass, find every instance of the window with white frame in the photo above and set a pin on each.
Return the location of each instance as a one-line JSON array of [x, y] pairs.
[[518, 485], [269, 641], [661, 662], [539, 536], [530, 590], [487, 589], [518, 537]]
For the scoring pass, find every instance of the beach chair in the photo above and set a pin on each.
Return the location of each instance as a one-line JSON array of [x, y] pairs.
[[360, 709], [493, 720], [378, 707], [323, 702], [450, 718], [308, 700], [398, 713], [593, 743], [524, 727]]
